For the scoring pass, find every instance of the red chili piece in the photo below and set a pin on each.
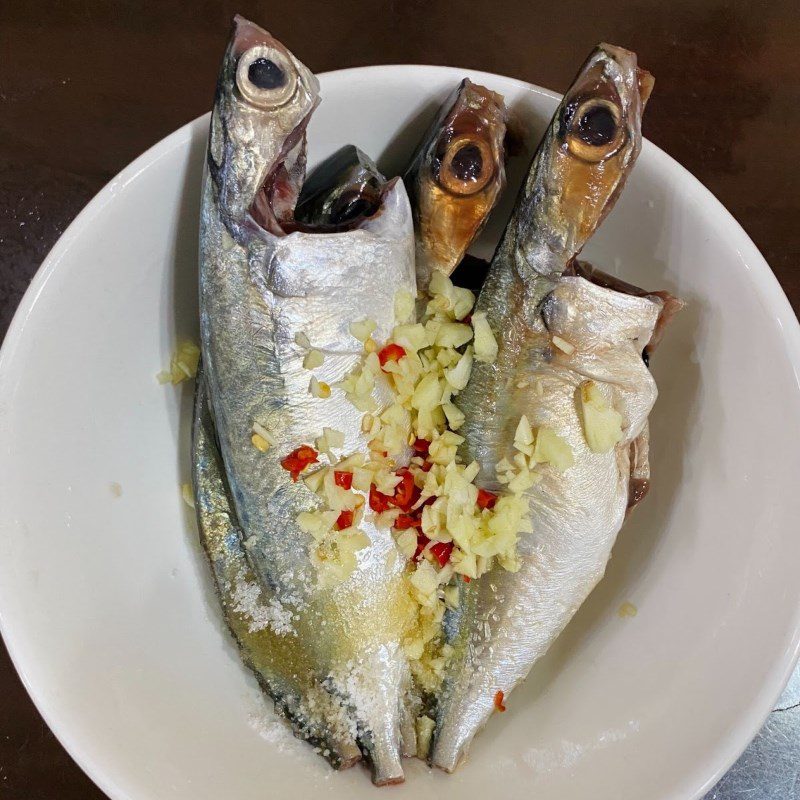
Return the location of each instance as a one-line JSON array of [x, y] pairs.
[[344, 520], [392, 352], [405, 494], [498, 701], [343, 479], [299, 459], [378, 501], [405, 491], [406, 521], [422, 543], [486, 499], [441, 552], [422, 446]]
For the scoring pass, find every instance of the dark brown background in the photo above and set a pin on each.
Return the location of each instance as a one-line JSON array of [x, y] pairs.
[[85, 86]]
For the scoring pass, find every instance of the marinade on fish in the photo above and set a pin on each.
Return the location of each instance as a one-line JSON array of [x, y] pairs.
[[555, 333], [261, 628], [268, 284]]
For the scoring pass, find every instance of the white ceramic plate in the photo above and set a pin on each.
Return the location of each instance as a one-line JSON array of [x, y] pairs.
[[106, 603]]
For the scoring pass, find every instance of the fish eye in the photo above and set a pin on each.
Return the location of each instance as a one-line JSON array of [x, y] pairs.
[[265, 77], [467, 166], [595, 130], [264, 73]]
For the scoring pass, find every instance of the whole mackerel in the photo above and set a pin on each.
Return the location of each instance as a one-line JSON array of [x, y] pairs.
[[329, 653], [553, 333]]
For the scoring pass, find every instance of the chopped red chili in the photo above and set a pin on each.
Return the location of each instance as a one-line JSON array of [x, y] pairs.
[[392, 352], [486, 499], [421, 446], [344, 520], [299, 459], [466, 578], [405, 490], [406, 521], [406, 493], [426, 466], [441, 552], [343, 479], [378, 501], [422, 543], [498, 701]]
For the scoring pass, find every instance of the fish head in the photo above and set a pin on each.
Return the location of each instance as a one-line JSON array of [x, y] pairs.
[[584, 158], [457, 175], [256, 152], [345, 186]]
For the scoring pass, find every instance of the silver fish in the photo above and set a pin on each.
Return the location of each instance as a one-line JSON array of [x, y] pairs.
[[507, 621], [263, 280], [346, 185], [456, 176]]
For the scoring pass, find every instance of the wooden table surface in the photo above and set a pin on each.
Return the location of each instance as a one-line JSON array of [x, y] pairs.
[[87, 85]]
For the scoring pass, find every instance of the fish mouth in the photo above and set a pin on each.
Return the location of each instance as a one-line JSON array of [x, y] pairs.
[[273, 207]]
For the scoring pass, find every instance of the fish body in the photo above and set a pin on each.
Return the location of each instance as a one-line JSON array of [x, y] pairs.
[[508, 620], [456, 176], [344, 186], [264, 280], [261, 628]]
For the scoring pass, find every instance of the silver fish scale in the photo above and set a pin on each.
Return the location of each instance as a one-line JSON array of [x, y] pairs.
[[317, 285], [297, 695]]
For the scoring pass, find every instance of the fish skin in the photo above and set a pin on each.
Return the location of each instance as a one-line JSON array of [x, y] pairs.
[[267, 646], [670, 306], [449, 211], [259, 286], [506, 620], [345, 185]]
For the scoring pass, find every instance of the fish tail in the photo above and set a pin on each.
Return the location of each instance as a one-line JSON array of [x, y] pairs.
[[373, 690]]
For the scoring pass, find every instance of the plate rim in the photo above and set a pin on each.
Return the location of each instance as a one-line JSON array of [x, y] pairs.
[[694, 785]]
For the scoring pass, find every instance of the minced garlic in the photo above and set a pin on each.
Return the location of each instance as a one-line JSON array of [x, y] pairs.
[[182, 365], [424, 727], [259, 442], [445, 526], [627, 609], [264, 433], [363, 329], [563, 345], [319, 388], [313, 359], [602, 424], [330, 439], [552, 449], [485, 343], [187, 494]]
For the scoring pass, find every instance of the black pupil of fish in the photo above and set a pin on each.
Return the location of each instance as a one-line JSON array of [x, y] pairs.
[[467, 163], [266, 74], [597, 126]]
